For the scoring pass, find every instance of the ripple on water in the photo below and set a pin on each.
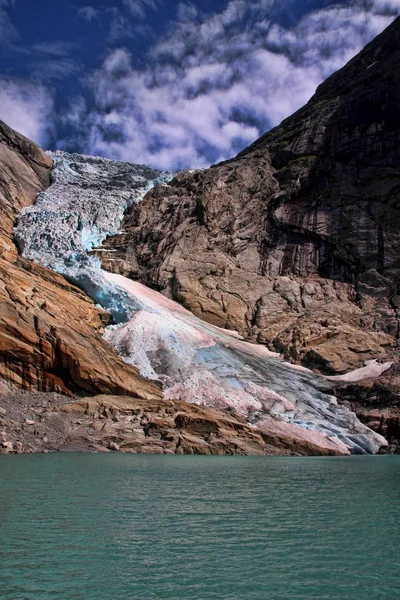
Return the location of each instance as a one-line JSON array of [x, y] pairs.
[[202, 528]]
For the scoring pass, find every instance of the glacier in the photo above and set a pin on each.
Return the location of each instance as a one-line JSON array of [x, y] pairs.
[[84, 204], [195, 361]]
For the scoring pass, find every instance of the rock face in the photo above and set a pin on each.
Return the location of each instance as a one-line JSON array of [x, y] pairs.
[[294, 243], [24, 172], [50, 332], [192, 360]]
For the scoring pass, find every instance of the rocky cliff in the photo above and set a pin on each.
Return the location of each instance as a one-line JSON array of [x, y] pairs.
[[50, 332], [191, 360], [294, 243]]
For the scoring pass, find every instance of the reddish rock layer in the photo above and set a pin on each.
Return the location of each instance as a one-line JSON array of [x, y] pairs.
[[50, 332]]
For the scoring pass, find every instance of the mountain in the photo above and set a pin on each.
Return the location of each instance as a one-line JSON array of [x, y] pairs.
[[187, 358], [294, 243], [52, 353], [290, 248]]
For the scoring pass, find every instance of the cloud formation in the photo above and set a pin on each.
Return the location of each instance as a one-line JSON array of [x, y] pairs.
[[215, 83], [52, 60], [8, 33], [88, 13], [26, 107], [139, 8], [125, 26]]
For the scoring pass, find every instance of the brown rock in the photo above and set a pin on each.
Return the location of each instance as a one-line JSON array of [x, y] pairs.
[[49, 330], [24, 172], [171, 427]]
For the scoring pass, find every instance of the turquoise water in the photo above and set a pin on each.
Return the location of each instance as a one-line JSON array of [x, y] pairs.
[[111, 527]]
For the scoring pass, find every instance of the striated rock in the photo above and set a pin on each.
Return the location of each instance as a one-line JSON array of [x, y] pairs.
[[194, 361], [24, 172], [50, 337], [50, 332], [294, 243], [151, 426]]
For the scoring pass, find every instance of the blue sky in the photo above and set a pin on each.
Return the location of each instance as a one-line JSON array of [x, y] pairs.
[[170, 84]]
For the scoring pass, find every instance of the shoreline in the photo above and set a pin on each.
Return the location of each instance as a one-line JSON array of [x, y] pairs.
[[47, 422]]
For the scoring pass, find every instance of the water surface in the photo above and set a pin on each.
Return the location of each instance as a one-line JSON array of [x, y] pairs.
[[111, 527]]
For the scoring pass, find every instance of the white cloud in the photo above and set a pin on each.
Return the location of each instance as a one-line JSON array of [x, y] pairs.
[[8, 32], [88, 13], [54, 48], [139, 8], [52, 60], [55, 69], [124, 26], [386, 5], [187, 11], [26, 107], [213, 84]]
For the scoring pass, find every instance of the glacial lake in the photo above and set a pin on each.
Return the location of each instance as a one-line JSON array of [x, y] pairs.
[[132, 527]]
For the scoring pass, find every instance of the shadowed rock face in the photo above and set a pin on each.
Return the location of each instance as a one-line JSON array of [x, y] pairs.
[[294, 243]]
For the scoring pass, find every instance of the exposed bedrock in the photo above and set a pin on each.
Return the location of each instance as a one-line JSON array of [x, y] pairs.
[[38, 422], [192, 360]]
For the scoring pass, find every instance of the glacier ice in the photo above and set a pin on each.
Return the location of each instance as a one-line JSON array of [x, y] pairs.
[[195, 361], [84, 204]]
